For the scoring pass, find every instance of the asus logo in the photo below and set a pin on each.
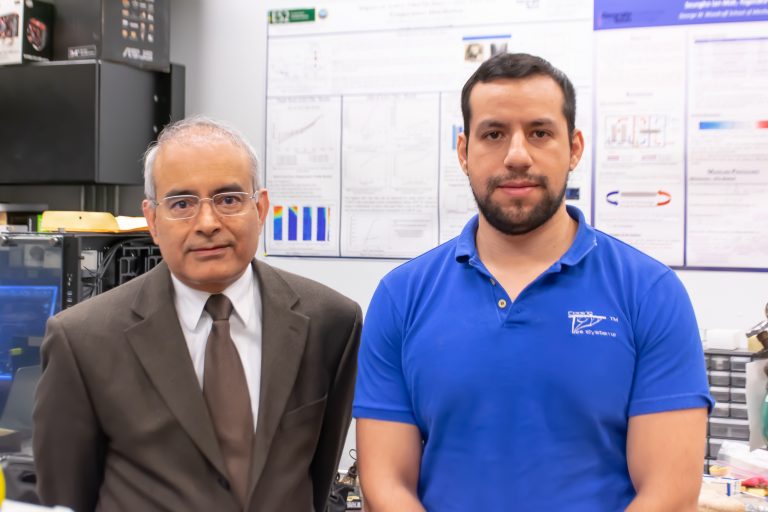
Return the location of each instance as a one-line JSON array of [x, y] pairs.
[[138, 54]]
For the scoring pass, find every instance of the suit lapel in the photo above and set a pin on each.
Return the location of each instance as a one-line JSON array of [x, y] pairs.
[[158, 342], [284, 335]]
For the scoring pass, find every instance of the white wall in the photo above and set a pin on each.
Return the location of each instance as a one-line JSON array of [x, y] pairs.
[[223, 45]]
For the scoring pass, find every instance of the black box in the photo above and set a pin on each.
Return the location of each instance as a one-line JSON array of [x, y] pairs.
[[135, 32], [82, 122], [25, 31]]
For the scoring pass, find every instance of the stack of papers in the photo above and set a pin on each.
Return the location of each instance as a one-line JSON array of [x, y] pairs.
[[97, 222]]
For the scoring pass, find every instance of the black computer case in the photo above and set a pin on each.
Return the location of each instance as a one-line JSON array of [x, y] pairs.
[[83, 122]]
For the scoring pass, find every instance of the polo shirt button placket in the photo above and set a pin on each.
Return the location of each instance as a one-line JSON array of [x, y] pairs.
[[501, 301], [505, 310]]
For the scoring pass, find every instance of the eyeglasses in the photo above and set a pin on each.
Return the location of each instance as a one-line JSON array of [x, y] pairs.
[[187, 207]]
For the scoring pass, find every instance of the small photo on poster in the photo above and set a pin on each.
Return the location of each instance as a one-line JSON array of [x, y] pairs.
[[474, 52]]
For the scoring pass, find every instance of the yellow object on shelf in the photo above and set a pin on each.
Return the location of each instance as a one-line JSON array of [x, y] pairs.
[[98, 222], [2, 487], [757, 491], [753, 344], [716, 470]]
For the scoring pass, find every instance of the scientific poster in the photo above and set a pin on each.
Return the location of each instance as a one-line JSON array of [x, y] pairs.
[[363, 115], [363, 112]]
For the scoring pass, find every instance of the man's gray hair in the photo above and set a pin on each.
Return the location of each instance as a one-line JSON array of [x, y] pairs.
[[197, 130]]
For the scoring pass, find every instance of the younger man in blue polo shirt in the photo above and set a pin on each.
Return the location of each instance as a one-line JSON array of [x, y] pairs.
[[532, 363]]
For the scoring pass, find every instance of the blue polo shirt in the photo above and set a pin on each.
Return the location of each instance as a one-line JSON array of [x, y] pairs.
[[524, 404]]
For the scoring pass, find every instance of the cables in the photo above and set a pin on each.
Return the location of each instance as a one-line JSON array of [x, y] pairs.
[[93, 282]]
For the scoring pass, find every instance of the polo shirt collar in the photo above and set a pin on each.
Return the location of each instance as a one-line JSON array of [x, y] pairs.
[[465, 243], [583, 243]]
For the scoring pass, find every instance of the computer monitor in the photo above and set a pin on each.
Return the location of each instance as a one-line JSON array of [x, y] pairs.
[[24, 310]]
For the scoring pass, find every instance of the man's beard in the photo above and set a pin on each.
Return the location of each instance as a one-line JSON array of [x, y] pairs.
[[514, 220]]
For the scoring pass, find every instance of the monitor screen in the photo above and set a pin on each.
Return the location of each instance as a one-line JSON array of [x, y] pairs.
[[25, 308]]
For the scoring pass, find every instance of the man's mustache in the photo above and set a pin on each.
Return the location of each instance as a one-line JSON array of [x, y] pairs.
[[497, 181]]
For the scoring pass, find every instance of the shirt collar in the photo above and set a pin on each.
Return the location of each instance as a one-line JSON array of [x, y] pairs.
[[465, 243], [190, 302], [583, 243]]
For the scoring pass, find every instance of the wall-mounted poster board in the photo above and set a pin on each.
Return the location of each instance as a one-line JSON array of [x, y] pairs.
[[363, 111]]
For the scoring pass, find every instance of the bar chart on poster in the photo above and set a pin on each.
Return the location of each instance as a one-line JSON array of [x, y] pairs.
[[363, 115]]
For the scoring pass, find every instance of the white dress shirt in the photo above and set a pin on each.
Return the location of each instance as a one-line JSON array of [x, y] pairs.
[[245, 327]]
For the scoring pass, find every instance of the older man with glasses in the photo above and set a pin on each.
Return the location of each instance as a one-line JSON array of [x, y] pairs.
[[214, 381]]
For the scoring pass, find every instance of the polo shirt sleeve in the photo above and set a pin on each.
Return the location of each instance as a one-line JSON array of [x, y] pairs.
[[670, 372], [381, 392]]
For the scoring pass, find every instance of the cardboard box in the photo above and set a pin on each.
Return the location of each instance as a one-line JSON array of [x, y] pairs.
[[135, 32], [25, 31]]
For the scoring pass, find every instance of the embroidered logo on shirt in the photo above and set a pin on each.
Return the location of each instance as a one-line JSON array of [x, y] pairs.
[[582, 322]]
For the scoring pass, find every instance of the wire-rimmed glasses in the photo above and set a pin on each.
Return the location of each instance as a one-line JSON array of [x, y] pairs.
[[188, 206]]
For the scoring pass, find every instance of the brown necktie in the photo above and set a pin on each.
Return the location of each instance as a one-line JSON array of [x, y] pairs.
[[226, 393]]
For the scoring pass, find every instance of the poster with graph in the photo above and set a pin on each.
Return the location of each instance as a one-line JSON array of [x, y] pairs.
[[303, 178], [363, 114], [681, 124]]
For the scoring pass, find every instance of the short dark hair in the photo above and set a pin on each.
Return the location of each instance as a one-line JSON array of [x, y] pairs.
[[517, 66]]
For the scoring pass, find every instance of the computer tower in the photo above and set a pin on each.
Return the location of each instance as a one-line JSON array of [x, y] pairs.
[[41, 274]]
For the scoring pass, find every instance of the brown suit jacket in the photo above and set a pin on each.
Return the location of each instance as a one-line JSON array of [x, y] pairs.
[[121, 423]]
